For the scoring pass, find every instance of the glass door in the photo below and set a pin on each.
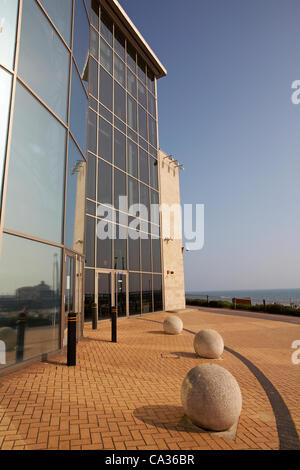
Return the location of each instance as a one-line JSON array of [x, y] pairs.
[[69, 296], [121, 293], [104, 294], [111, 288]]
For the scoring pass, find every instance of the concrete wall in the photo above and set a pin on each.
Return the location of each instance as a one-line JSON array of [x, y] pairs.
[[171, 228]]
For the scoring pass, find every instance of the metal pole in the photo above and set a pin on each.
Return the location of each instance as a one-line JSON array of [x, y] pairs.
[[71, 351], [21, 336], [114, 317], [94, 316]]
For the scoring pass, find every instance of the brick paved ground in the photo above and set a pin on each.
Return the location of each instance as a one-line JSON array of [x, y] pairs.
[[127, 395]]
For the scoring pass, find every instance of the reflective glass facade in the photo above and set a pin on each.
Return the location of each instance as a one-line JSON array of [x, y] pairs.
[[43, 126], [122, 162], [78, 154]]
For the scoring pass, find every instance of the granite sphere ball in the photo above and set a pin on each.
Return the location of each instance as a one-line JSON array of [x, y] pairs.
[[211, 397], [173, 325], [209, 343], [9, 337]]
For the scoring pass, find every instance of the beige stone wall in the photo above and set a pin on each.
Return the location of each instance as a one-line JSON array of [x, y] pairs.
[[172, 256]]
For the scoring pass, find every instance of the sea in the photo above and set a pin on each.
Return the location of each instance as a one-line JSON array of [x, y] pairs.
[[282, 296]]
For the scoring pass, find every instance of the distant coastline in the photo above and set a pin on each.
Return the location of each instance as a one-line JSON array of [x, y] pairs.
[[279, 295]]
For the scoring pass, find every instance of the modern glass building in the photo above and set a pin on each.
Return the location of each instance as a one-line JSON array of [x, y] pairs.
[[78, 153]]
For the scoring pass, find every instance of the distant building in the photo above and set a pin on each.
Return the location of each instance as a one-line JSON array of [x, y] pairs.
[[78, 130]]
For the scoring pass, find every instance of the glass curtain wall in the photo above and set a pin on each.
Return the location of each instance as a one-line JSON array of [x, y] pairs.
[[44, 72], [122, 161]]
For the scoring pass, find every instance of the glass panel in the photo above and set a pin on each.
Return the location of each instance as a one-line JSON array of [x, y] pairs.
[[131, 57], [90, 207], [94, 13], [94, 43], [91, 177], [151, 81], [78, 110], [142, 97], [144, 168], [151, 105], [141, 69], [8, 22], [104, 182], [147, 293], [106, 93], [146, 253], [93, 77], [105, 140], [74, 228], [105, 113], [132, 158], [69, 285], [153, 172], [157, 292], [92, 131], [104, 295], [154, 207], [120, 253], [134, 293], [131, 82], [89, 297], [93, 104], [119, 187], [144, 198], [81, 36], [119, 70], [106, 57], [106, 27], [120, 150], [143, 143], [36, 170], [61, 15], [152, 131], [90, 233], [131, 112], [44, 60], [143, 123], [133, 250], [156, 255], [5, 96], [119, 43], [104, 250], [133, 191], [32, 293], [121, 281], [119, 105], [120, 125], [132, 134]]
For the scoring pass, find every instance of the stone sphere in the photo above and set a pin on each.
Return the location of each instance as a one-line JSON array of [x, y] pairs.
[[209, 343], [173, 325], [211, 397], [9, 337]]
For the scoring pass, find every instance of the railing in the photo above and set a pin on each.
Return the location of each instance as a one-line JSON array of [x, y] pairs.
[[254, 301]]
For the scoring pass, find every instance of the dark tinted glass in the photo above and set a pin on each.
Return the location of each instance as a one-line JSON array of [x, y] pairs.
[[106, 27], [157, 292], [134, 293], [146, 254], [119, 70], [152, 131], [132, 134], [146, 293], [131, 112], [90, 207], [151, 105], [94, 43], [133, 191], [119, 186], [106, 91], [105, 113], [131, 57], [142, 97], [154, 207], [156, 256], [143, 123], [90, 233], [93, 103], [105, 140], [34, 291], [93, 77], [35, 189], [132, 158], [141, 70], [151, 81], [144, 168], [104, 252], [104, 182], [120, 125], [120, 150], [119, 106], [144, 198], [131, 83], [89, 287], [94, 13], [120, 253], [153, 172], [119, 44], [133, 250], [78, 110], [81, 36], [106, 56], [91, 177], [92, 131]]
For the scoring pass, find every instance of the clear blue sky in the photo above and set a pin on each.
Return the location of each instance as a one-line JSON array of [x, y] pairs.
[[225, 112]]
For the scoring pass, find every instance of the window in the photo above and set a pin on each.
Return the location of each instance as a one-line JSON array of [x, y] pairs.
[[133, 250], [8, 21], [134, 293], [119, 150], [119, 70], [92, 131], [119, 105], [143, 123], [44, 60], [91, 177], [131, 83], [131, 113], [144, 169], [106, 58], [119, 43], [78, 110], [90, 234], [131, 57], [142, 95], [94, 43], [119, 187], [93, 77], [61, 15], [104, 182], [132, 158], [81, 36], [5, 96], [105, 140], [35, 191], [106, 90], [146, 293], [106, 27]]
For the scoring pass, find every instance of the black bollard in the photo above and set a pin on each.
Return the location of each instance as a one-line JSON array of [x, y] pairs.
[[71, 350], [94, 316], [21, 336], [114, 316]]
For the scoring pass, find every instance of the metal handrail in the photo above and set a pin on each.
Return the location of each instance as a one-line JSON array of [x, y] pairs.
[[266, 300]]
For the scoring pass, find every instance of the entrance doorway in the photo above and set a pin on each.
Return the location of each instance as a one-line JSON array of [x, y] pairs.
[[111, 289], [73, 292]]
